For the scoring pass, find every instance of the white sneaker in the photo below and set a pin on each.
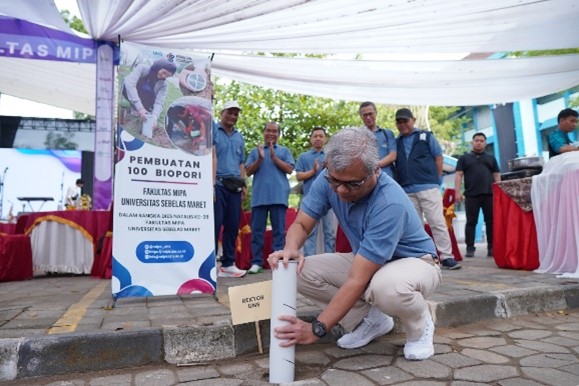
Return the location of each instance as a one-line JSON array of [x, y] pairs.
[[423, 347], [375, 324], [232, 271], [255, 269]]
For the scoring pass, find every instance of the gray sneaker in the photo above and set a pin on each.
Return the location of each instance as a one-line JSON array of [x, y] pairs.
[[450, 263], [375, 324]]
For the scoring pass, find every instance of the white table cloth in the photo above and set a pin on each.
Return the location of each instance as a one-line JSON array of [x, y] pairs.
[[60, 248], [555, 197]]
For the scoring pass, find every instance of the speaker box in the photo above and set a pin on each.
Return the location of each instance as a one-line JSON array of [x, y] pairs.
[[87, 171]]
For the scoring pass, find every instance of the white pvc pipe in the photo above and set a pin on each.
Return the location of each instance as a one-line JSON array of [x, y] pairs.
[[283, 302]]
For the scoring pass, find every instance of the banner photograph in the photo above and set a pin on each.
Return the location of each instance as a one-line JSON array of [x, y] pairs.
[[163, 195]]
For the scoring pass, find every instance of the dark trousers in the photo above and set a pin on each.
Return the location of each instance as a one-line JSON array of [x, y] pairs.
[[258, 222], [472, 208], [227, 212]]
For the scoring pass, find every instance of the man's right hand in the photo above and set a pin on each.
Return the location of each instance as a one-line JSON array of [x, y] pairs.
[[316, 166], [284, 256], [458, 196]]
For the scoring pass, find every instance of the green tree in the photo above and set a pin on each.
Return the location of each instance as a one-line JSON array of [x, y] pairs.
[[574, 102], [297, 114], [448, 125], [83, 116], [74, 22], [566, 51], [60, 141]]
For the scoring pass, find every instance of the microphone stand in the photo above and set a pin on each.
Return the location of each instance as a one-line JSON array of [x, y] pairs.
[[2, 193], [61, 202]]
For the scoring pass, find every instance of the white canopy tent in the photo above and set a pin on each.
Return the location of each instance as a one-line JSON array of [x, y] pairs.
[[230, 28]]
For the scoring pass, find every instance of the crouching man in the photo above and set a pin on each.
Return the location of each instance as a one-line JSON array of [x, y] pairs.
[[393, 266]]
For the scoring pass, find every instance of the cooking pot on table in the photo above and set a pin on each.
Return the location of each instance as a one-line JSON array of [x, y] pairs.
[[526, 163]]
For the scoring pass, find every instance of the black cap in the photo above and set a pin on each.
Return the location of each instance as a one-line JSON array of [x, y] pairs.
[[404, 114]]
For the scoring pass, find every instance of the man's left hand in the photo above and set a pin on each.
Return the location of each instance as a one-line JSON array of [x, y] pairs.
[[295, 332]]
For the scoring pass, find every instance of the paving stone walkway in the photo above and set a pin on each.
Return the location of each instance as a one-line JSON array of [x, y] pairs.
[[535, 349]]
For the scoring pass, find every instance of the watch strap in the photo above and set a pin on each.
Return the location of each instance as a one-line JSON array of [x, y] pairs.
[[319, 329]]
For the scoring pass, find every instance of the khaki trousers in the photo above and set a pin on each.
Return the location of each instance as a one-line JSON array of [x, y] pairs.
[[428, 204], [397, 289]]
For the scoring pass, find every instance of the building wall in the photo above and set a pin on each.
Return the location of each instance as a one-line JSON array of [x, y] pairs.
[[534, 120]]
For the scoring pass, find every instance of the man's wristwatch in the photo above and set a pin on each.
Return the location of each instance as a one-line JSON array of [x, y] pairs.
[[319, 328]]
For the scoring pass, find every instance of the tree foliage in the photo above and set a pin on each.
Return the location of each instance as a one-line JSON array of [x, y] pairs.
[[60, 141], [448, 126], [565, 51], [574, 102], [74, 22], [297, 114]]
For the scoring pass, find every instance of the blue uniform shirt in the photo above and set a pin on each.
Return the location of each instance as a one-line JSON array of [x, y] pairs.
[[558, 139], [230, 151], [386, 145], [382, 227], [306, 163], [435, 151], [270, 185]]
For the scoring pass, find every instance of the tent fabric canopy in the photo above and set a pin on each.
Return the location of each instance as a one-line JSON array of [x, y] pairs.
[[338, 26], [412, 28]]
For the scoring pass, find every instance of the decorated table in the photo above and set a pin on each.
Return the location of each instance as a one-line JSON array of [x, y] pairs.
[[7, 229], [514, 231], [15, 258], [65, 241]]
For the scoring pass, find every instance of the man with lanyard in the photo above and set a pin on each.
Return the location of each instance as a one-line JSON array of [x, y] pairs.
[[309, 166], [392, 268], [419, 165], [559, 141], [385, 138], [228, 161], [479, 170]]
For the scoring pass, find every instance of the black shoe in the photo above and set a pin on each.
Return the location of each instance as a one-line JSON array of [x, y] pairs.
[[450, 263], [470, 252], [490, 252]]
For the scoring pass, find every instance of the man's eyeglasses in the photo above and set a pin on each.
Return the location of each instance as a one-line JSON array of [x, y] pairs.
[[350, 185]]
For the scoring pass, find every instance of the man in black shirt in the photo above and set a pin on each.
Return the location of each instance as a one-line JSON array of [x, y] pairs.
[[480, 170]]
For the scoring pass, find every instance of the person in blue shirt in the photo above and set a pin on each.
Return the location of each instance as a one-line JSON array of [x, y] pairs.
[[228, 162], [385, 138], [419, 166], [393, 266], [559, 141], [269, 164], [309, 166]]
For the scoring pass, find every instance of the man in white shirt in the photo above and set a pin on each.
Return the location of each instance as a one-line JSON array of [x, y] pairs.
[[73, 194]]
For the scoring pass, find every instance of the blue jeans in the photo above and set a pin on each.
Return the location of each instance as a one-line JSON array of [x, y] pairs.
[[258, 223], [329, 228], [227, 211]]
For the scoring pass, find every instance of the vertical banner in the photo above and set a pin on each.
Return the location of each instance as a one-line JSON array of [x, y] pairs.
[[103, 145], [163, 191]]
